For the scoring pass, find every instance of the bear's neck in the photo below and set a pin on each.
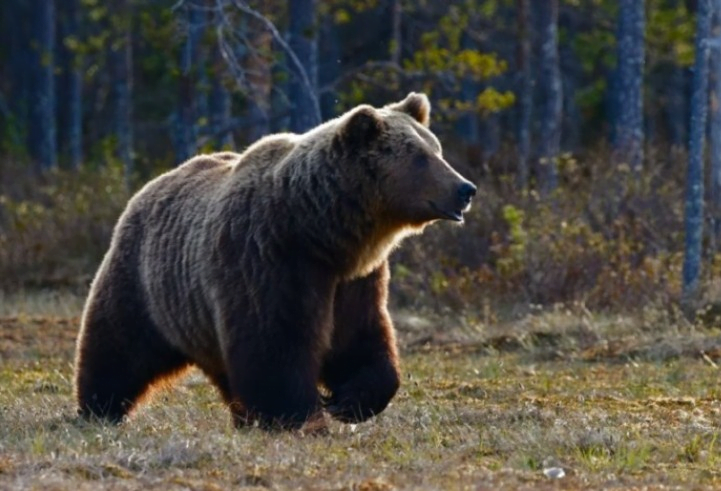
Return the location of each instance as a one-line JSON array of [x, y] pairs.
[[375, 251]]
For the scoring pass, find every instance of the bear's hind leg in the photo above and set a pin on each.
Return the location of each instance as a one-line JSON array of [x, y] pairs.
[[119, 356]]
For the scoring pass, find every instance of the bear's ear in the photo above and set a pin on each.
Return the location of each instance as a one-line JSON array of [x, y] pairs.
[[362, 127], [416, 106]]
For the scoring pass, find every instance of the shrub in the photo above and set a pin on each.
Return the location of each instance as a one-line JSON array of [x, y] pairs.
[[605, 238], [54, 229]]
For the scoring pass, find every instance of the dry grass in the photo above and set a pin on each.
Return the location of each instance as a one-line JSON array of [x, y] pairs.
[[483, 406]]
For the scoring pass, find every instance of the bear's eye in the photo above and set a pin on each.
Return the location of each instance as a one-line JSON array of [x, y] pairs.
[[420, 161]]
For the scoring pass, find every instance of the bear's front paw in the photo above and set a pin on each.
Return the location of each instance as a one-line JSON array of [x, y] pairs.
[[351, 408]]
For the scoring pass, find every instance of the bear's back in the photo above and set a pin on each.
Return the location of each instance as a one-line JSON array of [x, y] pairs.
[[266, 152]]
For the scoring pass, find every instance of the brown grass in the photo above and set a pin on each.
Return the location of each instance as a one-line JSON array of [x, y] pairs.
[[617, 402]]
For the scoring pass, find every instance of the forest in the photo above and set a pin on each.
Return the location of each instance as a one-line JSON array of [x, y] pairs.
[[577, 118], [569, 329], [584, 121]]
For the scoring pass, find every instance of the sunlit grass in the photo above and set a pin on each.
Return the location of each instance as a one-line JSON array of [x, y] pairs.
[[469, 414]]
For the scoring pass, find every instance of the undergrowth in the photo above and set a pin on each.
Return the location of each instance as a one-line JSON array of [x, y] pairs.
[[55, 228], [606, 238]]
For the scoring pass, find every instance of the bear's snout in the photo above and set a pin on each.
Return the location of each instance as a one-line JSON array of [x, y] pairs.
[[466, 192]]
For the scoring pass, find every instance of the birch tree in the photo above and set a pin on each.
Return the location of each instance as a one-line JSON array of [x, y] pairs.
[[70, 106], [715, 130], [121, 67], [42, 143], [525, 94], [695, 175], [549, 81], [187, 114], [305, 113], [629, 83]]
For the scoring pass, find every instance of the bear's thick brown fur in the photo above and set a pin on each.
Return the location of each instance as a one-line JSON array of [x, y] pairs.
[[268, 270]]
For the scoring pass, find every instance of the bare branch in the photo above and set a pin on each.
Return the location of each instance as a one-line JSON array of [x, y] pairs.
[[243, 7]]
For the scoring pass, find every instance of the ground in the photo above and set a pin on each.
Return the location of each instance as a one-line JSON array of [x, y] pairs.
[[617, 402]]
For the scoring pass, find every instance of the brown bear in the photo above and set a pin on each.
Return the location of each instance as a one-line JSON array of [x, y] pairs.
[[268, 270]]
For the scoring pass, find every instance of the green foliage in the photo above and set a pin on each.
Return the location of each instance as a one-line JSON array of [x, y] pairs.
[[439, 61], [607, 250], [342, 11], [669, 33]]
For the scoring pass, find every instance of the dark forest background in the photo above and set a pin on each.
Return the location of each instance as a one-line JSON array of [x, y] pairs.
[[593, 128]]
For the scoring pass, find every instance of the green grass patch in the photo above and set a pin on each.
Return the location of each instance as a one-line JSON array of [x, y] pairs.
[[468, 414]]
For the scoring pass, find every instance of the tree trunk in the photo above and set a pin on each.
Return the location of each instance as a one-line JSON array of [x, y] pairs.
[[715, 131], [259, 75], [16, 36], [550, 93], [70, 107], [121, 63], [220, 102], [302, 87], [468, 125], [694, 179], [396, 32], [525, 92], [572, 81], [629, 125], [186, 117], [329, 67], [42, 144]]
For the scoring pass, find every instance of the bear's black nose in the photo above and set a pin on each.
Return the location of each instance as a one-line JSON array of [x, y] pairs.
[[466, 192]]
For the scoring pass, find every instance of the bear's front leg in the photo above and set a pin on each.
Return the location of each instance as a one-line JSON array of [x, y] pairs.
[[278, 391], [361, 370], [274, 347], [365, 393]]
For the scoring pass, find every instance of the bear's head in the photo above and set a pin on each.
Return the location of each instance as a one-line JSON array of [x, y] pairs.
[[415, 185]]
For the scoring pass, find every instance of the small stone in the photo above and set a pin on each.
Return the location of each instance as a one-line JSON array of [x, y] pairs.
[[554, 472]]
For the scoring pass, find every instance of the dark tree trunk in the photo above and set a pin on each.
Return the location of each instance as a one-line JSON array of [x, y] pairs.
[[676, 90], [14, 23], [550, 92], [694, 179], [70, 107], [467, 126], [186, 117], [42, 143], [280, 105], [572, 77], [259, 75], [121, 63], [220, 103], [329, 65], [715, 130], [201, 20], [302, 87], [676, 111], [525, 92], [396, 32], [489, 130], [629, 84]]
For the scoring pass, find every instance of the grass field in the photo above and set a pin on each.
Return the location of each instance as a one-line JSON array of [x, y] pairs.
[[616, 402]]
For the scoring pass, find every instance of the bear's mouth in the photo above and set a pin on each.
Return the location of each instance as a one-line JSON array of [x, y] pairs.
[[455, 215]]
